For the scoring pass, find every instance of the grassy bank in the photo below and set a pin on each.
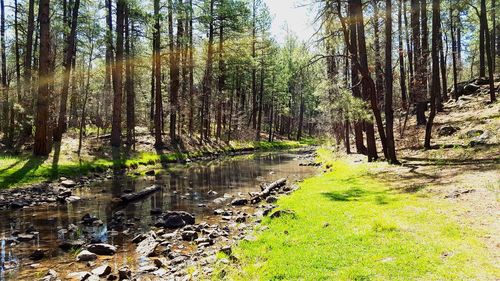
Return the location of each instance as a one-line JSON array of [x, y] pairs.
[[351, 226], [21, 170]]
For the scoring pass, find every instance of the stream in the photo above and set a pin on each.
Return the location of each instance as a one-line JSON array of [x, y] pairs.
[[192, 188]]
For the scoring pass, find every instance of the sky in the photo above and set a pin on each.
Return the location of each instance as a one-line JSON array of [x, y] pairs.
[[291, 13]]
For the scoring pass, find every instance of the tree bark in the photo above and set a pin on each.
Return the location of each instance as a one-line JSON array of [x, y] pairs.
[[207, 80], [436, 87], [368, 89], [389, 112], [116, 130], [418, 91], [129, 80], [41, 147], [174, 76], [379, 75], [70, 47], [355, 82], [402, 71], [28, 57], [157, 71], [5, 90], [484, 22], [453, 53]]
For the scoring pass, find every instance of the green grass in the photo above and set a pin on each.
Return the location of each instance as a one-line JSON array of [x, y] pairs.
[[21, 170], [351, 226]]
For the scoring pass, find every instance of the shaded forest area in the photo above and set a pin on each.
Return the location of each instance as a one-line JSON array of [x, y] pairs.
[[202, 71]]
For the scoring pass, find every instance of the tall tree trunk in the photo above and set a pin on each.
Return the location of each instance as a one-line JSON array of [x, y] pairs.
[[453, 53], [5, 90], [356, 92], [254, 69], [402, 72], [18, 67], [379, 75], [191, 69], [27, 75], [419, 76], [436, 87], [489, 58], [70, 47], [129, 79], [389, 112], [409, 47], [174, 76], [108, 91], [157, 71], [41, 146], [369, 89], [116, 130], [85, 98], [207, 80], [443, 96], [482, 37], [261, 100], [222, 79]]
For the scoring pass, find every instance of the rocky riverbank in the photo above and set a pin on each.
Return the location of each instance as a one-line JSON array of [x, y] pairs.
[[175, 248]]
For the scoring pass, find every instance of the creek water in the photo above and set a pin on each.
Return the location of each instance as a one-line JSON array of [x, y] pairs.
[[184, 187]]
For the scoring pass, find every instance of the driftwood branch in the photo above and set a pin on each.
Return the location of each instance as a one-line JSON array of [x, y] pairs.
[[266, 191], [126, 198]]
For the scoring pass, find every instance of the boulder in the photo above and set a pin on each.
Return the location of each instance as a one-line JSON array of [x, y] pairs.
[[239, 202], [85, 256], [68, 183], [102, 249], [51, 276], [72, 199], [147, 247], [474, 133], [25, 237], [78, 276], [282, 213], [271, 199], [177, 219], [189, 235], [447, 130], [124, 273], [37, 255], [102, 271], [87, 219]]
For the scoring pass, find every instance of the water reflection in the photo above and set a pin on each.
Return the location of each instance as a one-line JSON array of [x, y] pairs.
[[183, 188]]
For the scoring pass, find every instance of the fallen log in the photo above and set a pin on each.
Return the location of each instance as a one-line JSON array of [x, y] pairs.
[[140, 194], [266, 190]]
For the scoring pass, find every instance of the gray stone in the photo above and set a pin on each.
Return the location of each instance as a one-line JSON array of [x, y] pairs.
[[147, 247], [78, 276], [282, 213], [189, 235], [37, 255], [71, 245], [447, 130], [86, 256], [124, 273], [239, 202], [102, 271], [102, 249], [68, 183]]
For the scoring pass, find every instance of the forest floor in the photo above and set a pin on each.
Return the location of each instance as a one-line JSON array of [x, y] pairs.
[[21, 169], [435, 217]]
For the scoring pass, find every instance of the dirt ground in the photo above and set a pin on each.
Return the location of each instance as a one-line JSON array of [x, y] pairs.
[[463, 168]]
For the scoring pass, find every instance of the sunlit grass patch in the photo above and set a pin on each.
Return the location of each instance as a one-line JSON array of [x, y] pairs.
[[351, 226]]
